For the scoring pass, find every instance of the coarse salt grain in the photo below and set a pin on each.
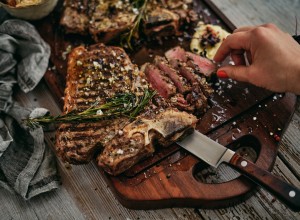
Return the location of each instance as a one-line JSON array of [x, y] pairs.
[[135, 11], [99, 112], [120, 151], [96, 65], [173, 99]]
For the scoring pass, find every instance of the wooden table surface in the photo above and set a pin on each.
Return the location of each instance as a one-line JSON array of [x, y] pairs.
[[84, 193]]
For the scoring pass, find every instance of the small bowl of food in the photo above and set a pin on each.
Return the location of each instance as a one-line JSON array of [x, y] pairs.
[[28, 9]]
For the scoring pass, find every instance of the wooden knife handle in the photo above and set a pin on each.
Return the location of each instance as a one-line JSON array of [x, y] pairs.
[[288, 194]]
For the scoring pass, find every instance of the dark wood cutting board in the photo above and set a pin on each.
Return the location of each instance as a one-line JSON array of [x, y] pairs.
[[245, 118]]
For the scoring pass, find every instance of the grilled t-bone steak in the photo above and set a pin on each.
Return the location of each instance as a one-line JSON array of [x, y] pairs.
[[181, 77], [96, 73], [140, 138], [105, 20]]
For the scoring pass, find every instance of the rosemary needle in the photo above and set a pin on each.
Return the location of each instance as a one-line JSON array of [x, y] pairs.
[[134, 31], [126, 104]]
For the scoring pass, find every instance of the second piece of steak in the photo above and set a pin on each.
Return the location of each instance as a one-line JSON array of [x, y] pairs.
[[106, 20]]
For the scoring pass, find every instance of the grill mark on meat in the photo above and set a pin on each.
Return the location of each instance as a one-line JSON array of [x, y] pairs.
[[80, 95], [84, 126], [120, 149], [142, 135]]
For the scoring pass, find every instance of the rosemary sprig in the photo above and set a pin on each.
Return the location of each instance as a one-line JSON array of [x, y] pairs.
[[127, 104], [126, 38]]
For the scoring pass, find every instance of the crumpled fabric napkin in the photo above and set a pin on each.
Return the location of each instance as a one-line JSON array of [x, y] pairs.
[[27, 165]]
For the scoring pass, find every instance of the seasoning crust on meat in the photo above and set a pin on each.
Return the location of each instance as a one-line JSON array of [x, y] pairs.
[[106, 20], [99, 72]]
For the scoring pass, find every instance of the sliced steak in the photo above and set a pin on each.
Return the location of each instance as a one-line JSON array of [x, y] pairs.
[[190, 67], [96, 73], [176, 53], [180, 102], [159, 81], [201, 64], [180, 82]]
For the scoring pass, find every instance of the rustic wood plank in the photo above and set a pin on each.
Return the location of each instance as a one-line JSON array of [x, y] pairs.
[[14, 207], [80, 193], [281, 13], [289, 150], [243, 12], [260, 206], [84, 193]]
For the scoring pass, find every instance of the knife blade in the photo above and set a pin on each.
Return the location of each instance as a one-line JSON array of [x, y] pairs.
[[214, 154]]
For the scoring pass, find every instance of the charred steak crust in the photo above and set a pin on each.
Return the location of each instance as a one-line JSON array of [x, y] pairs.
[[105, 20], [140, 138], [96, 73]]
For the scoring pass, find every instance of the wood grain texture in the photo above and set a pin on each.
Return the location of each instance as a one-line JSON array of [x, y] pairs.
[[261, 206], [71, 203], [283, 13]]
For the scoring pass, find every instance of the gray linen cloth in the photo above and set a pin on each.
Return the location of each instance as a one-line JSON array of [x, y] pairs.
[[27, 165]]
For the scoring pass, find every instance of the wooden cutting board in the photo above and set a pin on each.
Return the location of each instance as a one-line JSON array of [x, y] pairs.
[[245, 118]]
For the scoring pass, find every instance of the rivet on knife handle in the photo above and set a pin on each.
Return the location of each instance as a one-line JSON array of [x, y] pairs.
[[284, 191]]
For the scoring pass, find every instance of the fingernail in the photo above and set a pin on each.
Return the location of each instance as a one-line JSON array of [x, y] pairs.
[[222, 74]]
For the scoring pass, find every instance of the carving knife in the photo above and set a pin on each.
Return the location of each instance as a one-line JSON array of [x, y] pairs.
[[214, 154]]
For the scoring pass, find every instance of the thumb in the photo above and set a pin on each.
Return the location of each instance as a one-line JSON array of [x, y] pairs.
[[239, 73]]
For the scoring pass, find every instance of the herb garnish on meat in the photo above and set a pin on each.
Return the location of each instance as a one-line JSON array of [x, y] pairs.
[[126, 104], [126, 38]]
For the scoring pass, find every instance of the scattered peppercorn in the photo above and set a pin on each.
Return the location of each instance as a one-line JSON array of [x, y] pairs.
[[276, 137]]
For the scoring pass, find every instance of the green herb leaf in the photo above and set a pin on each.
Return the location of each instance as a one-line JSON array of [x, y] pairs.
[[126, 104], [126, 38]]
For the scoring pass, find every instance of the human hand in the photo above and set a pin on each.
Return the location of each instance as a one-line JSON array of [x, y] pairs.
[[273, 56]]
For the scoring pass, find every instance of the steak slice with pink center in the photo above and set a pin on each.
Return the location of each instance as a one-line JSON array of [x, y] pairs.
[[161, 83], [180, 82], [206, 66], [200, 64], [176, 53]]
